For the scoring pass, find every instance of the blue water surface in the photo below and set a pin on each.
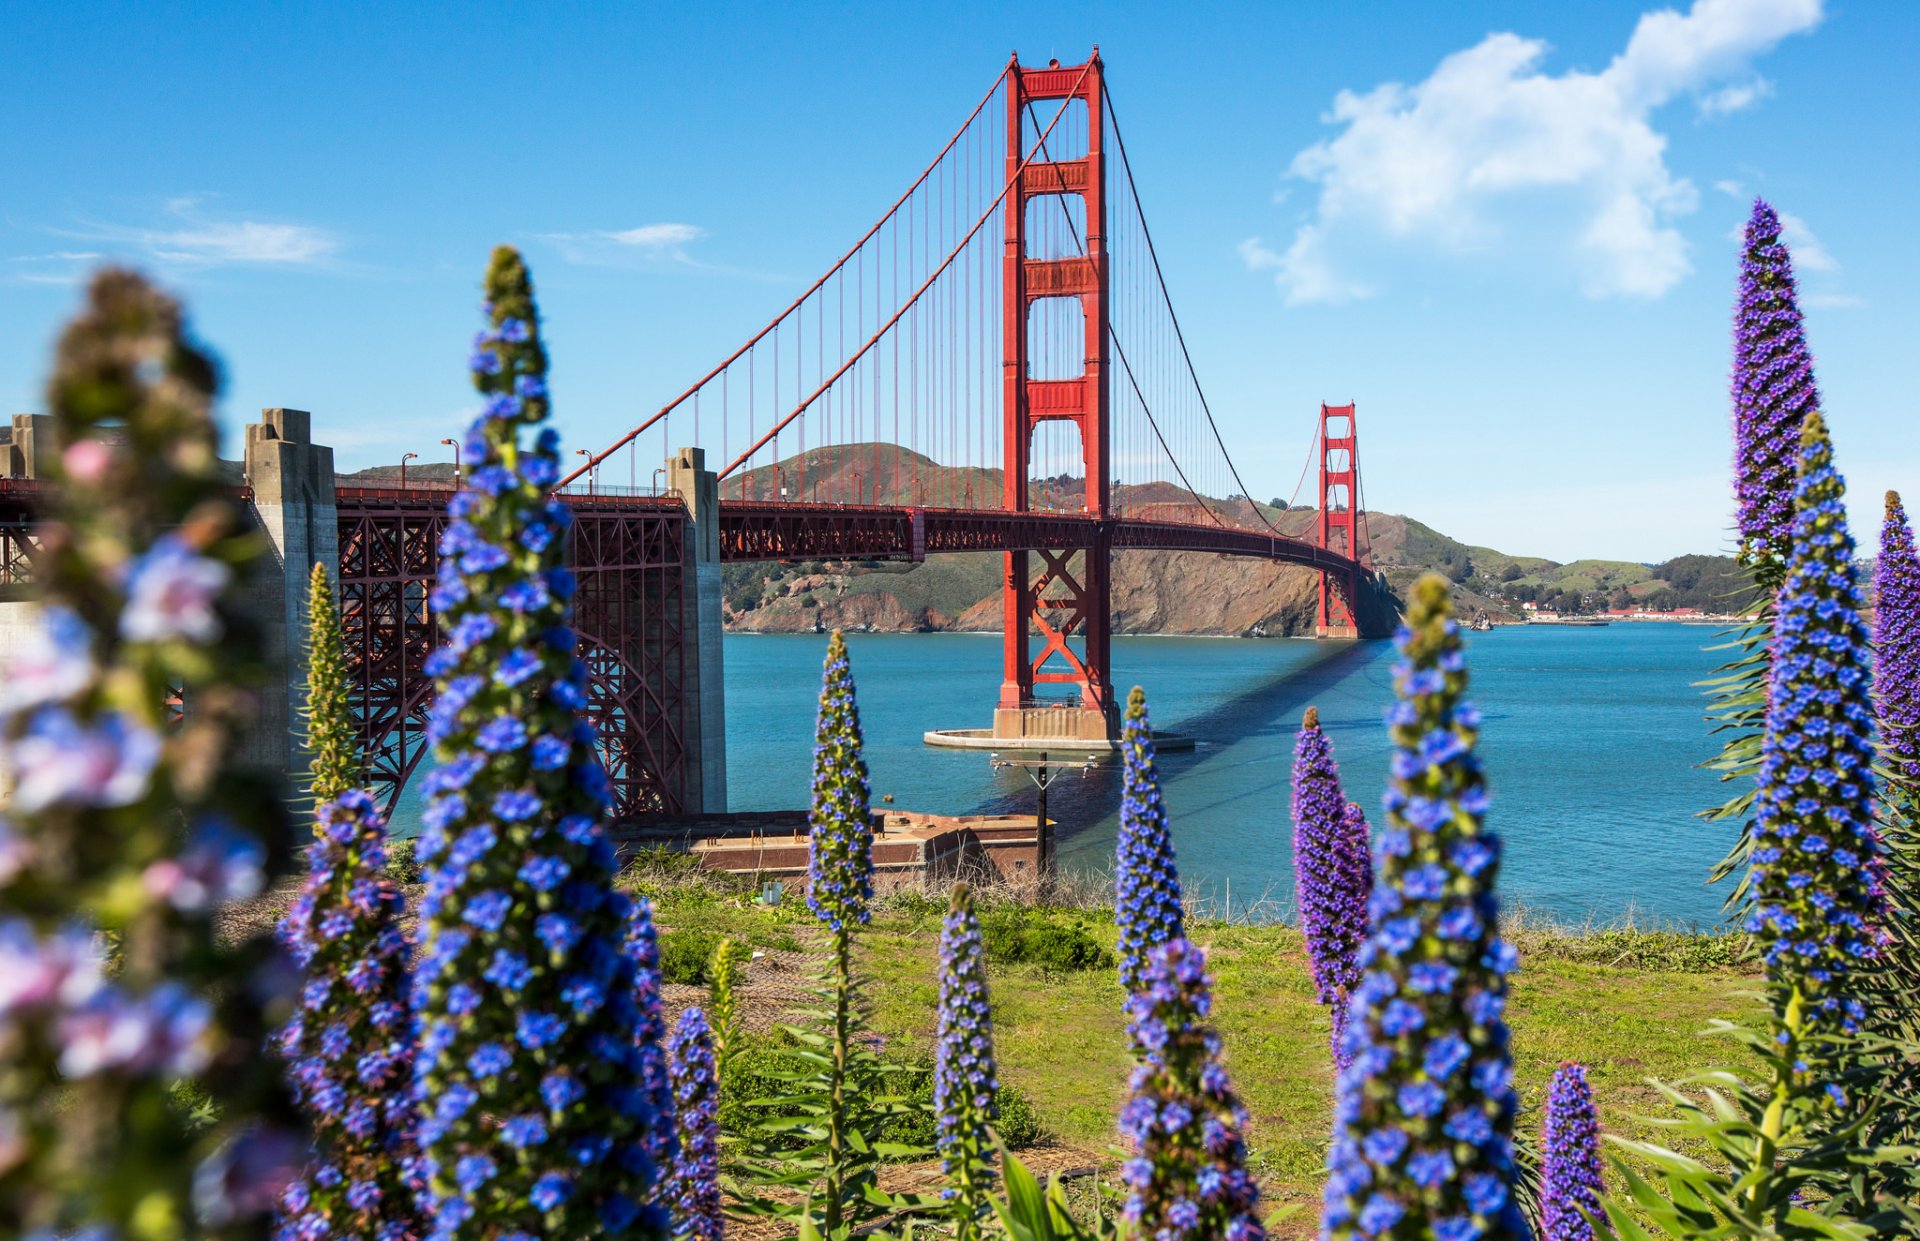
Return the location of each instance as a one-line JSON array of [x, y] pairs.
[[1592, 744]]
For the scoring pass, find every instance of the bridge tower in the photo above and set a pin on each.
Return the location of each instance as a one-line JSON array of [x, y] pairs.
[[1062, 596], [1341, 522]]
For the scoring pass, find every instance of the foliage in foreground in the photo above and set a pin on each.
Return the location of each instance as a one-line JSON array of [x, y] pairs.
[[534, 1117], [130, 825]]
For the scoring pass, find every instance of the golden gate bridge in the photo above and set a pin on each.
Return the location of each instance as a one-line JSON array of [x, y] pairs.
[[994, 366]]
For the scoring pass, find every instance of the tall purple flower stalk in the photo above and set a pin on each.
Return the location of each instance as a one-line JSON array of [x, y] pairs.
[[964, 1076], [1570, 1158], [693, 1194], [1333, 873], [1896, 644], [650, 1031], [1814, 857], [839, 889], [349, 1048], [535, 1120], [1187, 1179], [840, 822], [1423, 1116], [1773, 391], [1147, 887]]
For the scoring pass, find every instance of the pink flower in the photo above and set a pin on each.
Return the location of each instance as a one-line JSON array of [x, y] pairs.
[[170, 594], [219, 864], [52, 664], [86, 461], [61, 760], [164, 1031], [62, 969]]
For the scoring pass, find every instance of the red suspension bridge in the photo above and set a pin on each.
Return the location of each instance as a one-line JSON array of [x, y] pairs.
[[996, 366]]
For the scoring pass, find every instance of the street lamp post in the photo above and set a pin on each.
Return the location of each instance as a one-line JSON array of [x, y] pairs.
[[1043, 773], [593, 468], [455, 445], [404, 458]]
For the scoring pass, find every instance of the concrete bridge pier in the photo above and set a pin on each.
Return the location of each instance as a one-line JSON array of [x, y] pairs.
[[291, 480], [699, 489]]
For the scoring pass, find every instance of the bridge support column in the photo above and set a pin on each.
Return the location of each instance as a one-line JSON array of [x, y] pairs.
[[706, 720], [291, 478], [1063, 595], [1339, 530]]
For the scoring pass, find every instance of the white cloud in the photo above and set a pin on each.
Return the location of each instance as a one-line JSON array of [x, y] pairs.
[[626, 247], [1490, 146], [1735, 98], [658, 236], [194, 239]]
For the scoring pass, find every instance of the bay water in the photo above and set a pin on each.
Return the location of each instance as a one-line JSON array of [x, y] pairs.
[[1592, 743]]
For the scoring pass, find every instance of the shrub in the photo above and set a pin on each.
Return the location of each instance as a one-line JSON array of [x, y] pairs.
[[759, 1072], [1026, 937], [687, 956], [402, 865]]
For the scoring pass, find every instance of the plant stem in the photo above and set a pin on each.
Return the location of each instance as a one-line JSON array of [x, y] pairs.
[[837, 1111], [1774, 1119]]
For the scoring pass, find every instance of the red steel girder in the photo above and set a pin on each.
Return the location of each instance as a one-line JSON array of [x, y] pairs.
[[630, 557]]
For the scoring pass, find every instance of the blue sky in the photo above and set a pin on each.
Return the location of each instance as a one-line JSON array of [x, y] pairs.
[[1504, 229]]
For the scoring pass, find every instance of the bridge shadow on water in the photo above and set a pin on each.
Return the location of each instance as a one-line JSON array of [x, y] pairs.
[[1273, 707]]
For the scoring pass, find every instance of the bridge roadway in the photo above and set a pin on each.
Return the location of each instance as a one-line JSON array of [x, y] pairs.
[[764, 530], [648, 607]]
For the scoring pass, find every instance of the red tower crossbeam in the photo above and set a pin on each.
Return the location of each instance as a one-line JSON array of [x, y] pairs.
[[1339, 504], [1072, 594]]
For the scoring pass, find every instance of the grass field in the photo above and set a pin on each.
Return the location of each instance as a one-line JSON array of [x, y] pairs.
[[1627, 1004]]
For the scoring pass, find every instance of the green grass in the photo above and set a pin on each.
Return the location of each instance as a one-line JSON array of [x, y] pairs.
[[1626, 1003]]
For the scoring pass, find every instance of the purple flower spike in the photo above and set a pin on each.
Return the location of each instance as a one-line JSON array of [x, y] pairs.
[[1147, 904], [1896, 642], [964, 1081], [1423, 1112], [348, 1050], [840, 823], [650, 1030], [694, 1190], [1773, 391], [1333, 872], [536, 1079], [1570, 1158], [1814, 878], [1188, 1178]]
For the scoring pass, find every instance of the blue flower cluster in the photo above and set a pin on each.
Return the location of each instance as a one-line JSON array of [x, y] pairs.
[[1423, 1118], [1815, 895], [840, 825], [534, 1116], [1187, 1177], [1570, 1180], [693, 1195], [1147, 884], [1333, 873], [965, 1081], [349, 1048]]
